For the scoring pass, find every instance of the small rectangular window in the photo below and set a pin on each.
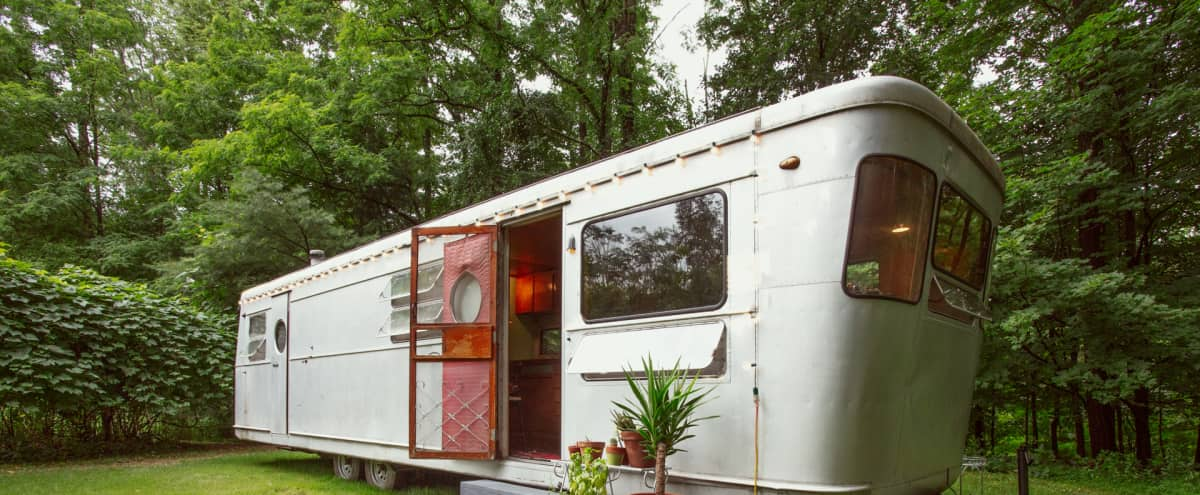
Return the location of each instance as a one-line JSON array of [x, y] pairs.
[[256, 345], [889, 229], [668, 258], [962, 239], [429, 299]]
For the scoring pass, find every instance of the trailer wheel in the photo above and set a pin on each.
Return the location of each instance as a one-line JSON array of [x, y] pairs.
[[347, 468], [381, 475]]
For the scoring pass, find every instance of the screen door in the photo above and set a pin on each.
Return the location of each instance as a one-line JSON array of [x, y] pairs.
[[452, 370]]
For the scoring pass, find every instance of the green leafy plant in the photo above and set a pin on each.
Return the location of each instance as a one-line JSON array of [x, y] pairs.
[[664, 407], [94, 362], [586, 475]]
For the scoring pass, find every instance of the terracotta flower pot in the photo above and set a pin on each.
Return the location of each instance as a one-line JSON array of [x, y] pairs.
[[634, 452], [613, 455], [572, 450], [597, 448]]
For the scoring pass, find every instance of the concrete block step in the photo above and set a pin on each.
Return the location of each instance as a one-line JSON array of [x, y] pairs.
[[492, 487]]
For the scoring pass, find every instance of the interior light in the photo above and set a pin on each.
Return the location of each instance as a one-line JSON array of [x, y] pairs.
[[900, 229]]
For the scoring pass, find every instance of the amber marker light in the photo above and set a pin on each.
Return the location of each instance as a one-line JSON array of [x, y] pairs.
[[571, 245]]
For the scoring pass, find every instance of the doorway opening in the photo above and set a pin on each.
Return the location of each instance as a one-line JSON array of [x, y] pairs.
[[534, 338]]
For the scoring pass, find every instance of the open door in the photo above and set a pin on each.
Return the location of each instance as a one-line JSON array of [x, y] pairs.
[[452, 366]]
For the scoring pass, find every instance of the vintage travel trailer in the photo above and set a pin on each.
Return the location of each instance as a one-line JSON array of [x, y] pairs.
[[822, 263]]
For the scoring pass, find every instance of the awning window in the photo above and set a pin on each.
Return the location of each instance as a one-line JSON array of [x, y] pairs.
[[605, 356]]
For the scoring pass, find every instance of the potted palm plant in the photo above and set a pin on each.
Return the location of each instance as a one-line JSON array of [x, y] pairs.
[[663, 407]]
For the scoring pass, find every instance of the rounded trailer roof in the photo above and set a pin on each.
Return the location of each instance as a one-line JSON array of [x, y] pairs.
[[870, 91]]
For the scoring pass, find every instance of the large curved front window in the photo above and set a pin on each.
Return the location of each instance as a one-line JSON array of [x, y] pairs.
[[889, 229]]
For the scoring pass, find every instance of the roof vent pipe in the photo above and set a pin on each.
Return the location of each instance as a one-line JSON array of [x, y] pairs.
[[315, 257]]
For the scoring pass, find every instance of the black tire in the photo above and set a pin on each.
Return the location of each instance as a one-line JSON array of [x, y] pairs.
[[347, 468], [381, 475]]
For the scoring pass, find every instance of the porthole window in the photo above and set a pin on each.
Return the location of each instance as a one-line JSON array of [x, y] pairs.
[[280, 335]]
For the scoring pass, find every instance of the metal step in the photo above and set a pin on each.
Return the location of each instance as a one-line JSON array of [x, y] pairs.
[[492, 487]]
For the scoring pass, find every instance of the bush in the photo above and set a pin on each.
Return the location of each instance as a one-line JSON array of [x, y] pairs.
[[90, 361]]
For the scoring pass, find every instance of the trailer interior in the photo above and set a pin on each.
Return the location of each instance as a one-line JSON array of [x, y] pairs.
[[533, 340]]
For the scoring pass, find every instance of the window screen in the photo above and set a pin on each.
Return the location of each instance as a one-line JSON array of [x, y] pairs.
[[962, 239], [667, 258], [256, 345], [889, 229]]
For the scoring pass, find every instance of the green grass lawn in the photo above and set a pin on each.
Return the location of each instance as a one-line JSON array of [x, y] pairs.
[[242, 471], [1080, 482], [259, 470]]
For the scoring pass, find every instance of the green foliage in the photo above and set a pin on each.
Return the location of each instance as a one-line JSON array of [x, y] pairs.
[[91, 358], [586, 475], [664, 404], [780, 49], [260, 231]]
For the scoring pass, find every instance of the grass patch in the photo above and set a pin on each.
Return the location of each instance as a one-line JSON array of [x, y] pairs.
[[255, 471], [252, 469], [1078, 484]]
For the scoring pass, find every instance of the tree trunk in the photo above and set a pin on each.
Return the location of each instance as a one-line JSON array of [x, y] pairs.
[[992, 430], [1196, 456], [978, 427], [660, 469], [1054, 430], [1101, 427], [1140, 408], [1120, 428], [1080, 438], [106, 421], [1033, 417], [625, 34]]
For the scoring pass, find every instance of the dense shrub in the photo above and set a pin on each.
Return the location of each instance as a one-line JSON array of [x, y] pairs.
[[89, 362]]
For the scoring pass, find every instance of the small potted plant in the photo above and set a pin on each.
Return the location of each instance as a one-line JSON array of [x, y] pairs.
[[613, 454], [635, 453], [596, 448], [664, 407]]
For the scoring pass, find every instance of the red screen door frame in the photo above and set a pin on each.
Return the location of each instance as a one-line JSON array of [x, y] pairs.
[[480, 348]]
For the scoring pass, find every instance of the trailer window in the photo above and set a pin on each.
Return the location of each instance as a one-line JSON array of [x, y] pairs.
[[256, 345], [889, 229], [429, 299], [665, 258], [962, 239]]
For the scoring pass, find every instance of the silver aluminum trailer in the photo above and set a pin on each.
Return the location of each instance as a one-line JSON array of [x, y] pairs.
[[821, 262]]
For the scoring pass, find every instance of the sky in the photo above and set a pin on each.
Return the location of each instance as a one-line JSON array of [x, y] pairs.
[[676, 19]]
